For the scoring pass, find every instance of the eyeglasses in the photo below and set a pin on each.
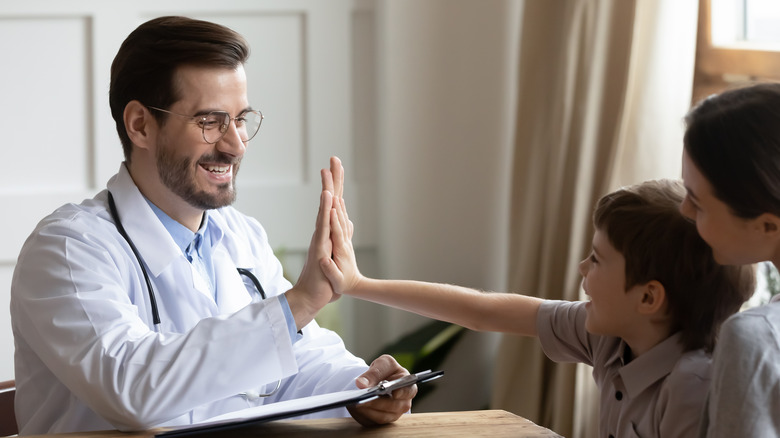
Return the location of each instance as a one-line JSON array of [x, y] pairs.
[[215, 124]]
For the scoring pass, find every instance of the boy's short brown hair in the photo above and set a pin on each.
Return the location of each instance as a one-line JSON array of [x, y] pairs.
[[643, 222]]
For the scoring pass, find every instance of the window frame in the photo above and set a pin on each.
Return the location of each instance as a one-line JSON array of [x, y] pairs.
[[719, 68]]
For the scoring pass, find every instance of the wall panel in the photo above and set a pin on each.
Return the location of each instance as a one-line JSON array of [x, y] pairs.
[[46, 104]]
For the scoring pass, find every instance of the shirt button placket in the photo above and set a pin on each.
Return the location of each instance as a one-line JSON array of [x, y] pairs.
[[618, 397]]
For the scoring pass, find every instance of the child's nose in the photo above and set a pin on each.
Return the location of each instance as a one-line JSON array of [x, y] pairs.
[[583, 267]]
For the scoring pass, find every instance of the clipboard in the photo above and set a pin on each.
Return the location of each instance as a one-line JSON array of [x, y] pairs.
[[296, 407]]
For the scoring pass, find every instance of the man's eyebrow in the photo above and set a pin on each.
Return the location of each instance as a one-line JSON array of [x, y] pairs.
[[206, 111]]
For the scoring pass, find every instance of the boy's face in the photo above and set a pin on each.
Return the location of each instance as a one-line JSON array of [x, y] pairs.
[[612, 309]]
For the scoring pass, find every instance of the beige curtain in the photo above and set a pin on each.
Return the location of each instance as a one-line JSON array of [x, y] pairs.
[[599, 106]]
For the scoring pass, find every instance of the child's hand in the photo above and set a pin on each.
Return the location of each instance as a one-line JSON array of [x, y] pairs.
[[341, 270]]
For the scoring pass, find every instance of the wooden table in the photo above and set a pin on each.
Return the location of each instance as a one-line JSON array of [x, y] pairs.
[[492, 423]]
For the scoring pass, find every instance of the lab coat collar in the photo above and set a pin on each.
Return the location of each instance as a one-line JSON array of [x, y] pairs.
[[154, 243], [223, 235]]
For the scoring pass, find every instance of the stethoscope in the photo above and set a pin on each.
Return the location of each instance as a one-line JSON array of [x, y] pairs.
[[153, 301]]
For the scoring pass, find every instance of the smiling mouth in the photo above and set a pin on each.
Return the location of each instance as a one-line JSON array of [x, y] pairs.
[[215, 169]]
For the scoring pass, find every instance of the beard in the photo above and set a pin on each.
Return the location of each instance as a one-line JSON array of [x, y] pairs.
[[178, 174]]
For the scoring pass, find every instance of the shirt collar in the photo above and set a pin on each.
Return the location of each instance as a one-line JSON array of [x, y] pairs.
[[650, 367], [185, 239]]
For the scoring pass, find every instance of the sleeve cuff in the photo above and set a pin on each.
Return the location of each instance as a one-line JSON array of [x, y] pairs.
[[295, 334]]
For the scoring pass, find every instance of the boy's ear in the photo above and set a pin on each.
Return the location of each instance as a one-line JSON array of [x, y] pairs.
[[653, 300], [769, 224], [139, 124]]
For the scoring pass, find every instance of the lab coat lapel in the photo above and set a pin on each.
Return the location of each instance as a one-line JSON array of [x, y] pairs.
[[232, 293], [179, 306], [157, 248]]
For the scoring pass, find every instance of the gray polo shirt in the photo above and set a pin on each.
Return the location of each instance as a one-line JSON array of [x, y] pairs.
[[745, 395], [658, 394]]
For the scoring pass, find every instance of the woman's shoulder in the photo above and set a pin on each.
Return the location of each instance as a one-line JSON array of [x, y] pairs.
[[753, 323], [750, 333]]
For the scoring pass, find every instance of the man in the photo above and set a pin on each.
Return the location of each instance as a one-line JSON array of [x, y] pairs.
[[129, 310]]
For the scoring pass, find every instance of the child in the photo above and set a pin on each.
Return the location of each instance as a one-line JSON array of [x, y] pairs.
[[657, 299]]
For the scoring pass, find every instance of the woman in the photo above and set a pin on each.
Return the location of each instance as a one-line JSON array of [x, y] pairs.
[[731, 169]]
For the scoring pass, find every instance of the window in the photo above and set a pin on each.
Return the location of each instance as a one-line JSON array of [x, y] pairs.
[[738, 42], [745, 24]]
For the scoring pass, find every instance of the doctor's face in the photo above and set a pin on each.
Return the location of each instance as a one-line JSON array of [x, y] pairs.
[[200, 173]]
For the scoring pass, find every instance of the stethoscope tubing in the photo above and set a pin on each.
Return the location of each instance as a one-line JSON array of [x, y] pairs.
[[121, 229]]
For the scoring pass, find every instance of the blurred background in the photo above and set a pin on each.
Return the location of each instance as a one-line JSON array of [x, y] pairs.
[[476, 137]]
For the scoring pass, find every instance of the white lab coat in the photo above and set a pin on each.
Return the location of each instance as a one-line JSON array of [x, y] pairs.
[[89, 357]]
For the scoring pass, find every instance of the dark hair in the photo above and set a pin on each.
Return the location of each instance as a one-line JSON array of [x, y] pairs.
[[733, 138], [643, 222], [145, 66]]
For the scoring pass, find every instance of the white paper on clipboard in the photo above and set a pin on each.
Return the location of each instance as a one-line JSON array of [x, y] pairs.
[[296, 407]]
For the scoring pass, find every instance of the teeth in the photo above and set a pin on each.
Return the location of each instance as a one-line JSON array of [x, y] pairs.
[[217, 169]]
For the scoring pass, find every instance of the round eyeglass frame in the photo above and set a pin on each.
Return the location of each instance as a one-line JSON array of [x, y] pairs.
[[201, 120]]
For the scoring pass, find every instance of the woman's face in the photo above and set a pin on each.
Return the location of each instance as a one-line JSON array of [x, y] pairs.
[[734, 240]]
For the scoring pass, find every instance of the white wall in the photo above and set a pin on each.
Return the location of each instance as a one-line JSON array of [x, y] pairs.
[[416, 97], [446, 109]]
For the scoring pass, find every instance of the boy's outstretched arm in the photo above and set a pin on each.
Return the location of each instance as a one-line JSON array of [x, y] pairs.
[[497, 312]]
